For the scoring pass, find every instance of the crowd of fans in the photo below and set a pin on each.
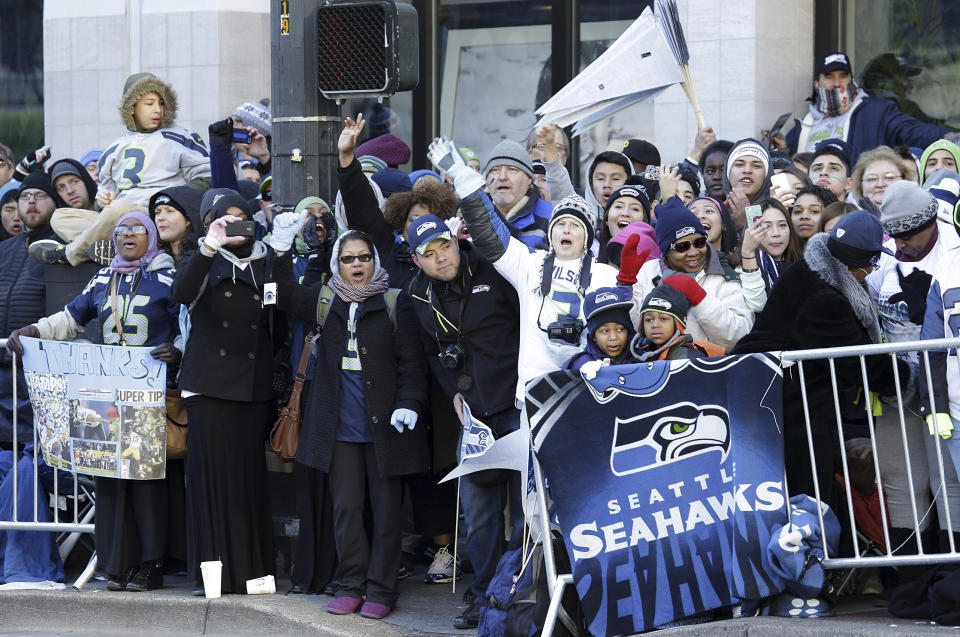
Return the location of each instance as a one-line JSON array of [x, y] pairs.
[[465, 282]]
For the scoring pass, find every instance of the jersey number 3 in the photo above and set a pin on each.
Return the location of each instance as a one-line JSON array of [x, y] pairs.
[[135, 158]]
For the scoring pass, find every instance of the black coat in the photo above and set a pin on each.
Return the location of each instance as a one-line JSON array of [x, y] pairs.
[[489, 335], [22, 287], [393, 370], [364, 214], [229, 353], [812, 306]]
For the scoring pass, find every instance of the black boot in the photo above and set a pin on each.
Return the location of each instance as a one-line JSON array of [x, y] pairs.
[[148, 578], [119, 583]]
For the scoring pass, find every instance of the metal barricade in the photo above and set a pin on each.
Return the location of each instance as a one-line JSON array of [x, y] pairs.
[[68, 528], [926, 393]]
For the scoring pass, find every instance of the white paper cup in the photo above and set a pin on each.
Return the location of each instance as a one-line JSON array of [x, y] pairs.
[[211, 572], [265, 585]]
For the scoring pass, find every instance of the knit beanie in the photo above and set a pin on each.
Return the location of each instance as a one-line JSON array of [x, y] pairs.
[[392, 181], [370, 164], [390, 148], [256, 115], [423, 172], [637, 191], [648, 239], [667, 300], [609, 305], [576, 208], [309, 201], [91, 155], [746, 147], [64, 167], [673, 222], [509, 153], [9, 192], [39, 180], [133, 79], [469, 154], [907, 208], [940, 144]]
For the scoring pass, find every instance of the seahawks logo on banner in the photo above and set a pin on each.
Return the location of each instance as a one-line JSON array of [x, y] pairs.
[[666, 478]]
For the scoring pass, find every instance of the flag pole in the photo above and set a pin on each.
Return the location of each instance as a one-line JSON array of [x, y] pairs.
[[456, 536], [687, 85]]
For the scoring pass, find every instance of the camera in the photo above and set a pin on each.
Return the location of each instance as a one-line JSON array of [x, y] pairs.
[[451, 356], [566, 330]]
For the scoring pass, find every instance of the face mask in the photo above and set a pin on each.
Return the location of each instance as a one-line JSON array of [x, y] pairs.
[[836, 101]]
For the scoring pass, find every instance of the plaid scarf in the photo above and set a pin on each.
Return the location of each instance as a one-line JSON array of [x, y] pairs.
[[359, 293]]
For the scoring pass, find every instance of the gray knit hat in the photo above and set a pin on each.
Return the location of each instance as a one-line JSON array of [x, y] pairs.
[[906, 208], [509, 153]]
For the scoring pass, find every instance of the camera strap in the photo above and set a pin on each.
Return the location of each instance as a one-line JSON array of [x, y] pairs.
[[442, 319]]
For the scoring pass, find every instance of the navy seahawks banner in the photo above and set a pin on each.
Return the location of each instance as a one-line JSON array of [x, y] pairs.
[[667, 479]]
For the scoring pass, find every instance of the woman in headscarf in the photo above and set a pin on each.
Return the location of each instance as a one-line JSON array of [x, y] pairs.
[[225, 380], [133, 526], [360, 424]]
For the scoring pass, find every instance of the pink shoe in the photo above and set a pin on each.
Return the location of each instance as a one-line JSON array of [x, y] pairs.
[[374, 610], [344, 605]]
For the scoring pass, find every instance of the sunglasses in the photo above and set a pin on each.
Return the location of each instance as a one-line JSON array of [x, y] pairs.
[[121, 230], [267, 196], [347, 259], [682, 246]]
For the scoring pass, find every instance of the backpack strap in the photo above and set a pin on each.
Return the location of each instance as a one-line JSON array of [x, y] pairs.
[[323, 304], [326, 298], [390, 296]]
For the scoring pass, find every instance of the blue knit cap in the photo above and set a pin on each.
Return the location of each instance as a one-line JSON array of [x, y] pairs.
[[673, 222]]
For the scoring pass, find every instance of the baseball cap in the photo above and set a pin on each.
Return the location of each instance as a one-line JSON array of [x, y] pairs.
[[642, 151], [425, 229], [833, 62], [861, 231]]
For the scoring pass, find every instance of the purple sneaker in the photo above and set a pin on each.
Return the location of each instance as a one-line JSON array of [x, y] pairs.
[[374, 610], [344, 605]]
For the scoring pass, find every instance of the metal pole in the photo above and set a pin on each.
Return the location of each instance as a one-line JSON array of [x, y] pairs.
[[305, 125]]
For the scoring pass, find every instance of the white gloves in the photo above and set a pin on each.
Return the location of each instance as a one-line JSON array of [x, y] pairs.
[[285, 229], [403, 418], [445, 156], [589, 369], [455, 224]]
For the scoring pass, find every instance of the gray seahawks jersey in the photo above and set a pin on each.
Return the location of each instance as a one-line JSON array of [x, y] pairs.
[[139, 164]]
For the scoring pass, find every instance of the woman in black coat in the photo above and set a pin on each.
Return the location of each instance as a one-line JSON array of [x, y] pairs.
[[360, 424], [225, 379], [819, 301]]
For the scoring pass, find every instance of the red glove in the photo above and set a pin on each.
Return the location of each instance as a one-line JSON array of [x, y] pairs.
[[630, 261], [687, 286]]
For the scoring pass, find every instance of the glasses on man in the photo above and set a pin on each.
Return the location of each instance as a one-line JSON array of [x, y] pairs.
[[888, 178], [683, 246], [122, 230], [36, 196], [347, 259]]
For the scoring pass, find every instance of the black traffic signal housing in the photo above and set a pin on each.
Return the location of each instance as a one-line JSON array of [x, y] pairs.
[[367, 48]]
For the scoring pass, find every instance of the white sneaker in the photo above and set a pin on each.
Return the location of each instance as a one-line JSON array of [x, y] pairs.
[[441, 571]]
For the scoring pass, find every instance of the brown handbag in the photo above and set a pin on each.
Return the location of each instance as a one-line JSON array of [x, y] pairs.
[[286, 429], [176, 425]]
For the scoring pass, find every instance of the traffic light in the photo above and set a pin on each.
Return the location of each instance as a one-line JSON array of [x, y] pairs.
[[367, 48]]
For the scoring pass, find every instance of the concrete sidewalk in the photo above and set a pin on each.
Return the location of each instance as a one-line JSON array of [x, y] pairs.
[[423, 610]]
